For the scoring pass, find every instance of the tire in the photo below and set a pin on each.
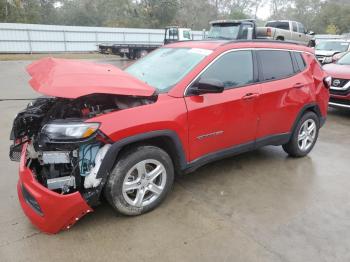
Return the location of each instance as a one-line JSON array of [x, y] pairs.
[[297, 147], [126, 184]]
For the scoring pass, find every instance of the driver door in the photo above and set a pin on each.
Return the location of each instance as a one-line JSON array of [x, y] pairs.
[[229, 119]]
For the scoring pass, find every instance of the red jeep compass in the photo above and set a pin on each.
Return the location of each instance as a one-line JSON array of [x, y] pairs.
[[125, 134]]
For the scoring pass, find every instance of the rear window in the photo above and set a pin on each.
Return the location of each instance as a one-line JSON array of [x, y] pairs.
[[277, 24], [275, 64]]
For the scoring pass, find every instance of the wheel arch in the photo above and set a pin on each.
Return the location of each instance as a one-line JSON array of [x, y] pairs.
[[313, 107], [167, 140]]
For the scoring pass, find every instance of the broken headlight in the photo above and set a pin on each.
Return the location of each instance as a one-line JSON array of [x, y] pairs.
[[70, 131]]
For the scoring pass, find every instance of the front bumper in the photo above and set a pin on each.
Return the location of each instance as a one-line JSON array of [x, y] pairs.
[[51, 212], [340, 101]]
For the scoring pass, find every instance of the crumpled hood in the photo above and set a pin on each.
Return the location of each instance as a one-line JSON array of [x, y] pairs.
[[338, 71], [74, 78]]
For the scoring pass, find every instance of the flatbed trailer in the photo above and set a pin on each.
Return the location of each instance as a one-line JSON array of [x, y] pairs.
[[131, 51], [138, 50]]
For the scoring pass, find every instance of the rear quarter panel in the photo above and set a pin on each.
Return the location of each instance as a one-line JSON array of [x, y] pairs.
[[321, 93]]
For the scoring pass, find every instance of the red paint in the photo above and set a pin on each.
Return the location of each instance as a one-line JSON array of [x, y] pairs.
[[59, 211], [338, 71], [72, 79], [271, 110], [341, 72]]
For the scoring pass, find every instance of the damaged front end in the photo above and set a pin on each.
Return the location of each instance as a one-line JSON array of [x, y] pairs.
[[60, 155]]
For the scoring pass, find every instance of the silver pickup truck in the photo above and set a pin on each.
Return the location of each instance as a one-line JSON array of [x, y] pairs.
[[286, 30], [282, 30]]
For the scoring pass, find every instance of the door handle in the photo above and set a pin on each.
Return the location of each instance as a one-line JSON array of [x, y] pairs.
[[298, 85], [250, 96]]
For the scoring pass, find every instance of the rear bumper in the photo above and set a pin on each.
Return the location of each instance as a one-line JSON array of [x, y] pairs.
[[48, 210]]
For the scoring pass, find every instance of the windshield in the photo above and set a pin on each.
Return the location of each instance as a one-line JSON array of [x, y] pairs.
[[333, 46], [224, 31], [165, 67], [344, 60]]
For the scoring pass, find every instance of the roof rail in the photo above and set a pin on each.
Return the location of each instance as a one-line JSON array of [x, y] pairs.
[[263, 41]]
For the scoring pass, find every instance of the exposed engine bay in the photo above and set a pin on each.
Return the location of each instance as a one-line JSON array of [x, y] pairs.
[[63, 151]]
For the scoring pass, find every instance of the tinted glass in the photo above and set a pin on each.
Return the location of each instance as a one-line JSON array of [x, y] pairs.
[[301, 28], [280, 25], [345, 60], [275, 64], [295, 27], [244, 33], [233, 69], [300, 61], [172, 33], [224, 31], [165, 67], [333, 46], [186, 34]]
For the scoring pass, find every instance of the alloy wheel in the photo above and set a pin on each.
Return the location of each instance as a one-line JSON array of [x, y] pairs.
[[144, 183], [307, 134]]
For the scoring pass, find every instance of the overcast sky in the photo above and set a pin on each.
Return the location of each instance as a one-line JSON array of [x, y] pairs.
[[264, 11]]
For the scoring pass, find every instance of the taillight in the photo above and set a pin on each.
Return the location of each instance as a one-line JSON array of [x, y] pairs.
[[327, 81], [268, 32]]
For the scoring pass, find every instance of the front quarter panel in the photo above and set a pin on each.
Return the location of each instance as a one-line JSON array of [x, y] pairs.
[[167, 113]]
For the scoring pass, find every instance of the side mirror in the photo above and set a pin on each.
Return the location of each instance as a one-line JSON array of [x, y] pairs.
[[311, 33], [207, 86]]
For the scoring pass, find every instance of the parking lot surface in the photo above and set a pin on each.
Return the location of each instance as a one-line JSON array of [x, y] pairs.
[[259, 206]]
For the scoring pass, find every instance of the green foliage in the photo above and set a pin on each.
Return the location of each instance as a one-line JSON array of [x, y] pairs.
[[321, 16], [235, 14], [332, 29]]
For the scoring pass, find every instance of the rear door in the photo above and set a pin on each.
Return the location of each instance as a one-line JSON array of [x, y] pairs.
[[284, 90], [228, 119]]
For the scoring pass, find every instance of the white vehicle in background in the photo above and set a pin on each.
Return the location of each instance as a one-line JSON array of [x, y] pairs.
[[137, 50], [329, 51]]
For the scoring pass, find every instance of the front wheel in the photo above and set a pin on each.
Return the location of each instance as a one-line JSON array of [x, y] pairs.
[[140, 181], [304, 136]]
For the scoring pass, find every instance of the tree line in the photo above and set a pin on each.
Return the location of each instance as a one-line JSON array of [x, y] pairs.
[[321, 16]]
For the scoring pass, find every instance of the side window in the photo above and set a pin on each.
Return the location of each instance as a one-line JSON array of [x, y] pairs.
[[283, 25], [186, 34], [275, 64], [244, 32], [295, 27], [172, 33], [301, 28], [300, 61], [233, 69]]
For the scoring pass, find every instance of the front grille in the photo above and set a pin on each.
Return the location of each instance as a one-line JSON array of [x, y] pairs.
[[340, 101], [30, 200], [337, 82]]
